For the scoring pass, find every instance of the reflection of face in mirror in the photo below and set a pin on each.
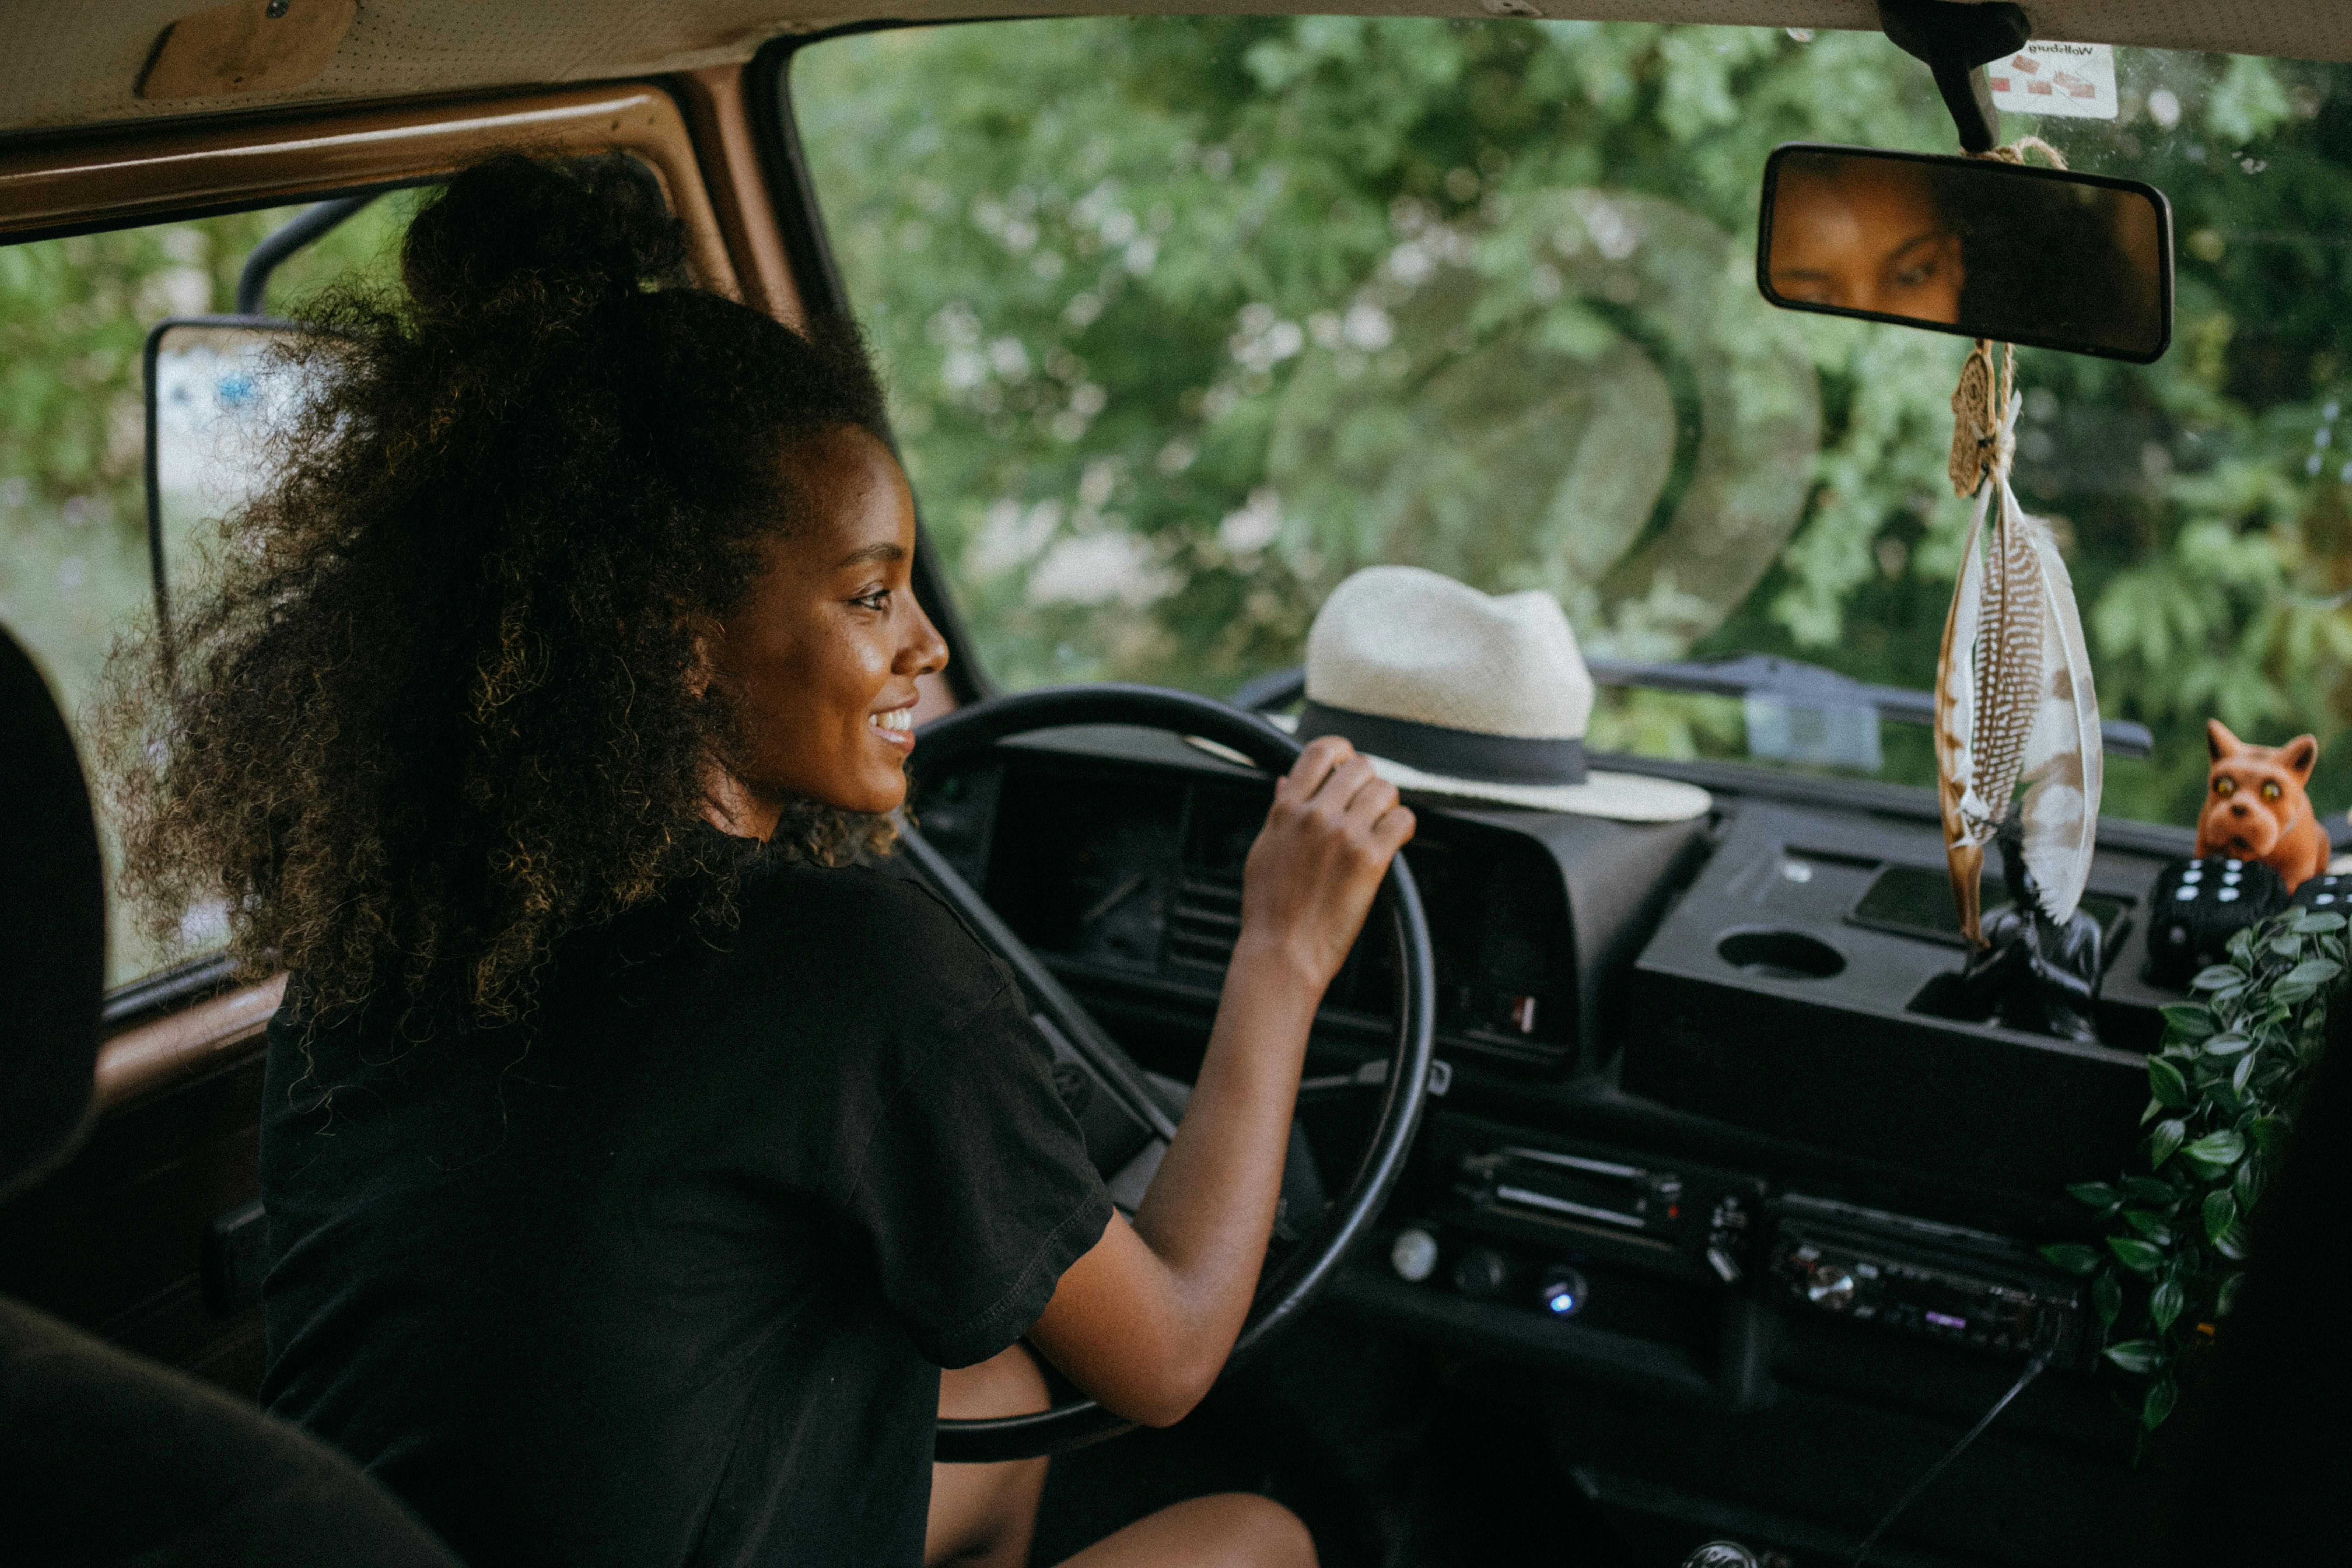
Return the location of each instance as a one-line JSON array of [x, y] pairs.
[[1984, 248], [1870, 235]]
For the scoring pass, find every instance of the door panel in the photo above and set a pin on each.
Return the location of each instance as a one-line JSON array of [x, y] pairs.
[[113, 1240]]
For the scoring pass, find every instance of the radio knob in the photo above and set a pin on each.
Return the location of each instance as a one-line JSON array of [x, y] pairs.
[[1831, 1286], [1414, 1255], [1481, 1272]]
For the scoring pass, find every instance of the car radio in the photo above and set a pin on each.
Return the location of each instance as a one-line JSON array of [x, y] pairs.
[[1674, 1219], [1940, 1281]]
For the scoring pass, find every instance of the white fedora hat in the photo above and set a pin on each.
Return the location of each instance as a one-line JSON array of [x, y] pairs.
[[1456, 692]]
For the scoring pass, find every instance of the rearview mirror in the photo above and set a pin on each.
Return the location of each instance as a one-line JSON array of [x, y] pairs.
[[217, 388], [2042, 257]]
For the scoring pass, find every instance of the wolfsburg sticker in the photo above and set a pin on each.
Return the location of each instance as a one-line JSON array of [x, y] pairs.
[[2076, 80]]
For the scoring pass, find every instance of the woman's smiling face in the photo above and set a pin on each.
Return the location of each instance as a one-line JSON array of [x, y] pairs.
[[822, 656]]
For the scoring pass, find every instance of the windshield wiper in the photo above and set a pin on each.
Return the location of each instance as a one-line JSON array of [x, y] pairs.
[[1789, 680]]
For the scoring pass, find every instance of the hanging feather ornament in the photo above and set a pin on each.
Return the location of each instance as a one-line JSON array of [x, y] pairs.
[[2014, 702]]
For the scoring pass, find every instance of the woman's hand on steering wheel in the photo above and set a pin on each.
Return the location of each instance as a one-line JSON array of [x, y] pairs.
[[1146, 1320], [1312, 873]]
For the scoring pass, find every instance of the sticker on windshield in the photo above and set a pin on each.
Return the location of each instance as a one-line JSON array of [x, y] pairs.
[[2076, 80]]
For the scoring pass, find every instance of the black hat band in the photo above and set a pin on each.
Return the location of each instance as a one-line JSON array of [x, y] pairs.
[[1457, 753]]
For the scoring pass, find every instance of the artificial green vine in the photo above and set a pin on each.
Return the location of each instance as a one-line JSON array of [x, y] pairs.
[[2233, 1062]]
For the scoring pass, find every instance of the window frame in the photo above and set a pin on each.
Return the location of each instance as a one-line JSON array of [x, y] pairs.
[[809, 252]]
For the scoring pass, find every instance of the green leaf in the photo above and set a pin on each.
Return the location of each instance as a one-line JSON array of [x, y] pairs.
[[2135, 1255], [2108, 1296], [2269, 1132], [2149, 1193], [2243, 1071], [2287, 945], [2221, 1214], [2098, 1195], [2247, 1184], [2231, 1243], [2191, 1020], [2314, 972], [2225, 1300], [2164, 1139], [2150, 1226], [2227, 1045], [2220, 1150], [2164, 1304], [2311, 922], [2072, 1256], [2165, 1081], [2210, 978], [2155, 1109], [2159, 1405], [2141, 1356]]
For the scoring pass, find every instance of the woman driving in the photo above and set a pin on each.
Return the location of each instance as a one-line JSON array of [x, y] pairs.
[[637, 1151]]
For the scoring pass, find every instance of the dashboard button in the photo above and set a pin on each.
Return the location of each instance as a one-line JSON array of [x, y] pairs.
[[1562, 1291], [1481, 1272], [1414, 1255], [1831, 1286]]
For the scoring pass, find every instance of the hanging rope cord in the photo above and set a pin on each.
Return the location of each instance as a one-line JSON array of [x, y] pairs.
[[1984, 407]]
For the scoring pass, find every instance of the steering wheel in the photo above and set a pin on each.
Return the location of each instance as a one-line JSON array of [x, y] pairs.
[[1285, 1294]]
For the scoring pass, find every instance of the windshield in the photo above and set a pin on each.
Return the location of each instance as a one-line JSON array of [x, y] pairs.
[[1186, 318]]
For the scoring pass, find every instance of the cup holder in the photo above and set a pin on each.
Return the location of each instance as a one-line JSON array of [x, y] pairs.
[[1780, 955]]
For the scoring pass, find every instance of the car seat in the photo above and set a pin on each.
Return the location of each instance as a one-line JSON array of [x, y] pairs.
[[105, 1458]]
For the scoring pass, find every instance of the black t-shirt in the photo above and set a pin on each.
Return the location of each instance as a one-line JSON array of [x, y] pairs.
[[673, 1285]]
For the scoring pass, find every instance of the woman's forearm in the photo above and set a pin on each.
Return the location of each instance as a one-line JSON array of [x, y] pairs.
[[1209, 1209], [1143, 1323]]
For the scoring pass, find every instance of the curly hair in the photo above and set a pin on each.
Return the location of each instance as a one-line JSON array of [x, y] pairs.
[[436, 708]]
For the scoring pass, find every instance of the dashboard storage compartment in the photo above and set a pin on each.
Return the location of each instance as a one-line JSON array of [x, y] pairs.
[[1772, 999]]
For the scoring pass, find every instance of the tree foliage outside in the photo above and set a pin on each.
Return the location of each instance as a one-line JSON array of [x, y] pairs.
[[1186, 317]]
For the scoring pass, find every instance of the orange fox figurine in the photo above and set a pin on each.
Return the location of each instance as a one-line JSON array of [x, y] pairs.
[[2256, 807]]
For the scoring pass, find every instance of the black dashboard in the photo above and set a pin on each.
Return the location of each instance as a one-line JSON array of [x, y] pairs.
[[1722, 1147]]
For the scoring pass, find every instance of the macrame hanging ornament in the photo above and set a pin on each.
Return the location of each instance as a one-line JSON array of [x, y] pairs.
[[2013, 697]]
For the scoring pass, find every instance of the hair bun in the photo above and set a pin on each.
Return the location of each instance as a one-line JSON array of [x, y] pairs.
[[551, 241]]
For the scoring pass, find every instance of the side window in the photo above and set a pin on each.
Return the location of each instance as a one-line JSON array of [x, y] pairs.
[[74, 564]]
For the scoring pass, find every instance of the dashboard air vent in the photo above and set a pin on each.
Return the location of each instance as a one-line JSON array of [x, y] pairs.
[[1205, 922]]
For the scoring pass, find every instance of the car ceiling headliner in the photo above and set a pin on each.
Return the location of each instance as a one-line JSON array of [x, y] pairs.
[[67, 65]]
